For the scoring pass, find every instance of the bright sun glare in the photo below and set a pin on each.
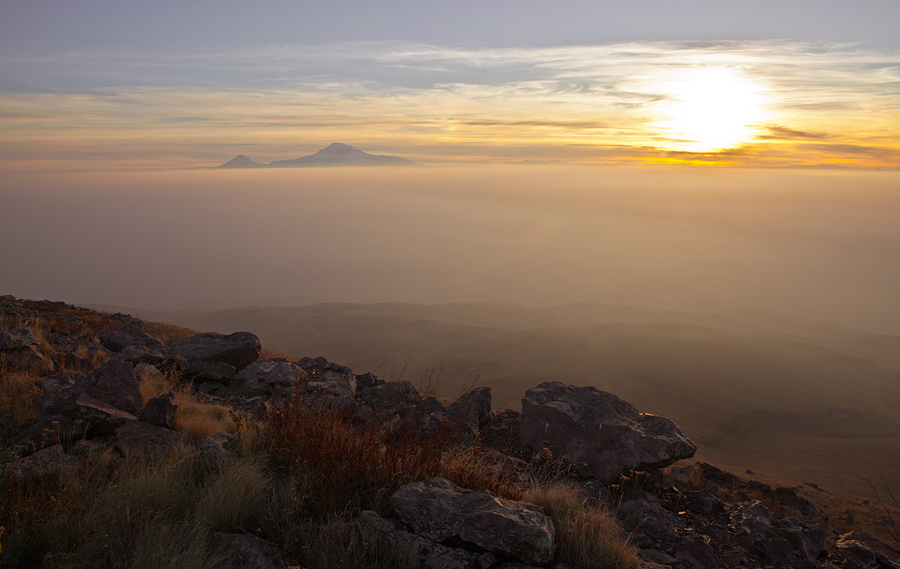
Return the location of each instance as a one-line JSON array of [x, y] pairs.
[[711, 109]]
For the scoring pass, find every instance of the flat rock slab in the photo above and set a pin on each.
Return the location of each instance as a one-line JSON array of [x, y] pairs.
[[599, 434], [441, 511]]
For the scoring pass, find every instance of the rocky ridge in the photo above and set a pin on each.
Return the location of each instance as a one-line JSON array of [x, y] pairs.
[[614, 453]]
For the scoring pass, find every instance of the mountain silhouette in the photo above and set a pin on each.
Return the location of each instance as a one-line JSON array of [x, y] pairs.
[[338, 154], [240, 161]]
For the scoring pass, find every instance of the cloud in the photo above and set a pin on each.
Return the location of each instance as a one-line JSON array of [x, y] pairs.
[[776, 132], [450, 99]]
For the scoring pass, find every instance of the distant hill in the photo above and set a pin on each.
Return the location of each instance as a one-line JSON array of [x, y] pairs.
[[338, 154], [240, 161], [335, 154]]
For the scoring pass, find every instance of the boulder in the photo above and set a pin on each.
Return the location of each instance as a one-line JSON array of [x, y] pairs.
[[849, 553], [139, 438], [398, 397], [161, 411], [407, 549], [51, 461], [200, 371], [129, 334], [237, 350], [115, 383], [17, 338], [599, 434], [750, 518], [697, 554], [473, 408], [137, 354], [441, 511], [260, 378]]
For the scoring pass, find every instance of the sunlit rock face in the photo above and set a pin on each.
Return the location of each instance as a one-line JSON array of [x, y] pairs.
[[601, 435]]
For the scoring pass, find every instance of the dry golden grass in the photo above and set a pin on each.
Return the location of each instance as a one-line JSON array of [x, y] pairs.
[[153, 383], [17, 406], [587, 535], [196, 420], [234, 498], [165, 332]]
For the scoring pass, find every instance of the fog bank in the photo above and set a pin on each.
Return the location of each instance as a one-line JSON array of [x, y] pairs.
[[815, 243]]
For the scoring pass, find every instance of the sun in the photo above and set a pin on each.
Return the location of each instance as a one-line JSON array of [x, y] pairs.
[[711, 109]]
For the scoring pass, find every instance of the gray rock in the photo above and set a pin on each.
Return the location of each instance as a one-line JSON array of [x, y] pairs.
[[242, 551], [750, 518], [849, 553], [439, 510], [200, 371], [17, 338], [237, 350], [50, 461], [137, 354], [473, 408], [697, 554], [399, 397], [262, 377], [115, 383], [138, 438], [129, 334], [599, 434], [380, 534], [161, 411]]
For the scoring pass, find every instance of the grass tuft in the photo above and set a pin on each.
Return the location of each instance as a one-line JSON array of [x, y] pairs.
[[586, 534]]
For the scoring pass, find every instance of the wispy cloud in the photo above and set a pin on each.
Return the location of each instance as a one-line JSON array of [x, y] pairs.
[[594, 103]]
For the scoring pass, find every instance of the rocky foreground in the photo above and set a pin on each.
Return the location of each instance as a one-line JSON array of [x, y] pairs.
[[611, 452]]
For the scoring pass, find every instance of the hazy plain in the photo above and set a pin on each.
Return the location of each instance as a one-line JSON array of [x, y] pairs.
[[758, 308], [816, 243]]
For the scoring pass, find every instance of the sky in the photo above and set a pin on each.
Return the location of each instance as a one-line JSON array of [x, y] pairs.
[[126, 85]]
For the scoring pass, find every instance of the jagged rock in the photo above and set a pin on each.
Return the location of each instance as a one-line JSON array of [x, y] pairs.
[[200, 371], [237, 350], [100, 418], [501, 433], [160, 411], [50, 461], [242, 551], [115, 383], [702, 504], [849, 553], [697, 554], [650, 523], [598, 433], [138, 354], [400, 397], [439, 510], [750, 518], [261, 377], [17, 338], [139, 438], [215, 449], [806, 539], [407, 549], [129, 334], [473, 408], [789, 498]]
